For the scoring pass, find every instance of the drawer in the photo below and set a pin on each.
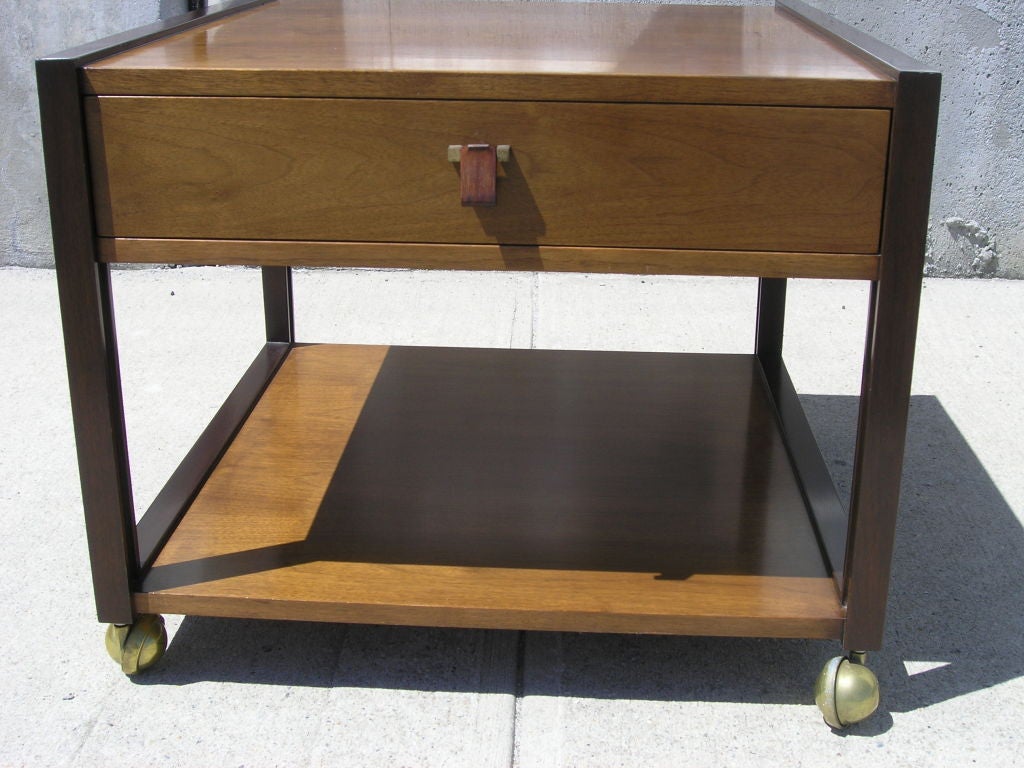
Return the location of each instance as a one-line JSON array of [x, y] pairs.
[[582, 174]]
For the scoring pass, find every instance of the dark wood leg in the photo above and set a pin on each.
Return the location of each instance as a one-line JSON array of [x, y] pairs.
[[90, 346], [889, 361], [771, 321], [277, 304], [826, 511]]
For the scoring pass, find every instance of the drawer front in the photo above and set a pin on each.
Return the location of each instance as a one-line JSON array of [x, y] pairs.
[[584, 174]]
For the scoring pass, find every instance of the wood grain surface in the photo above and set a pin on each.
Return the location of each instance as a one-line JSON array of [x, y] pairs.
[[90, 344], [155, 526], [506, 488], [532, 258], [634, 175], [502, 50], [889, 360]]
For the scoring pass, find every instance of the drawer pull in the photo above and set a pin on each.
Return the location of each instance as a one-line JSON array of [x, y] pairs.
[[478, 171]]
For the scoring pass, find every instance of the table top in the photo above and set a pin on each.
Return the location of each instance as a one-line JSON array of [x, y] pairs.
[[514, 50]]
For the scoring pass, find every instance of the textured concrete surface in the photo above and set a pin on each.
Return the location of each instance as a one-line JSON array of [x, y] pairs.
[[977, 215], [281, 694], [28, 31], [977, 220]]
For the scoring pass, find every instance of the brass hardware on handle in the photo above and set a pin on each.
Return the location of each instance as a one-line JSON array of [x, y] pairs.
[[478, 170], [503, 152]]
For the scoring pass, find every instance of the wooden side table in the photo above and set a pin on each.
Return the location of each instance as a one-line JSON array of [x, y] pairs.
[[524, 489]]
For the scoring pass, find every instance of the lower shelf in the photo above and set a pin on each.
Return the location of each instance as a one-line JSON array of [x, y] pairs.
[[530, 489]]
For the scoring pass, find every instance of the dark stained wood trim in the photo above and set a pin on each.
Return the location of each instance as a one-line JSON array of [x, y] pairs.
[[890, 60], [544, 258], [859, 544], [83, 284], [170, 505], [90, 345], [827, 513], [889, 360], [277, 304], [892, 328], [828, 516], [110, 46], [771, 321]]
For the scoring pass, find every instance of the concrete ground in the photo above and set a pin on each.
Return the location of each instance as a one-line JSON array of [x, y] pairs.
[[260, 693]]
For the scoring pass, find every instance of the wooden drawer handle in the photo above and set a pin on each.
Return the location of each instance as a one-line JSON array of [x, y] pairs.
[[478, 171]]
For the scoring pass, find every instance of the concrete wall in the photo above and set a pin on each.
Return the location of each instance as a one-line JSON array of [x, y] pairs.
[[29, 30], [977, 224], [977, 214]]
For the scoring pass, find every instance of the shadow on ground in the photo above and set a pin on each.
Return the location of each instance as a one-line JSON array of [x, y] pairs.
[[955, 619]]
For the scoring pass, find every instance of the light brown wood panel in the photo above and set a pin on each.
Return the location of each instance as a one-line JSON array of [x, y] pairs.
[[502, 50], [636, 175], [441, 596], [505, 488], [543, 258]]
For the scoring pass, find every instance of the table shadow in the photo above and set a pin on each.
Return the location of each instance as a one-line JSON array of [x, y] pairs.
[[955, 619]]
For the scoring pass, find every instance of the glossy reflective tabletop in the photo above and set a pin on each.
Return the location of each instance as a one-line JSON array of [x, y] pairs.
[[326, 47]]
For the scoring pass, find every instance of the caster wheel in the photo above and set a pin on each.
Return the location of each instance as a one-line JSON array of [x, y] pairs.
[[137, 647], [846, 691]]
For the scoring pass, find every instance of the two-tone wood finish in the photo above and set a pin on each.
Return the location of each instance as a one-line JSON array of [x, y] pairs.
[[892, 329], [87, 313], [506, 488], [889, 360], [178, 493], [390, 81], [89, 345]]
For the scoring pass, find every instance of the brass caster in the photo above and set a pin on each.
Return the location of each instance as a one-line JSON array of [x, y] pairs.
[[137, 647], [846, 691]]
